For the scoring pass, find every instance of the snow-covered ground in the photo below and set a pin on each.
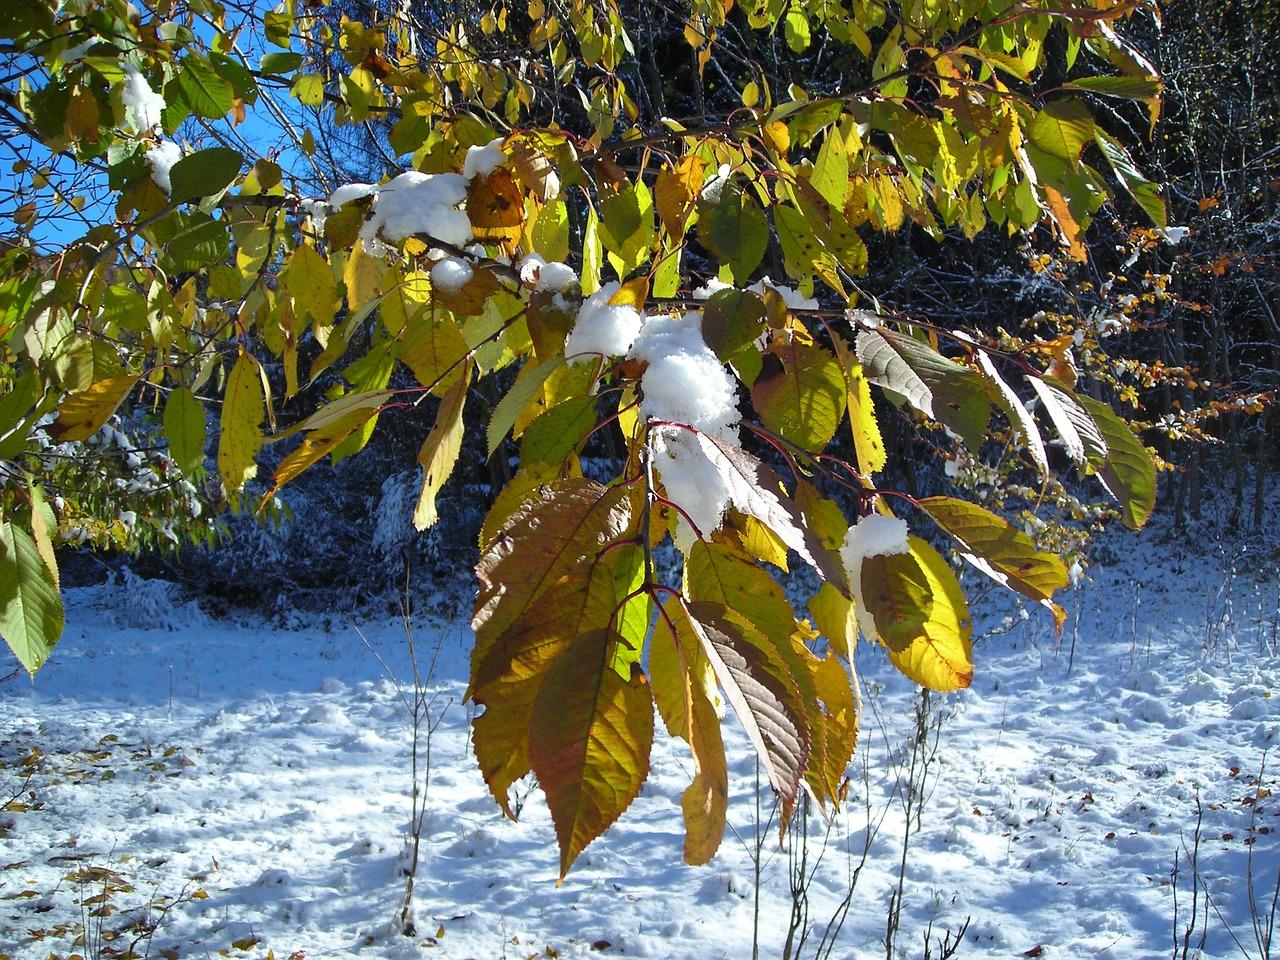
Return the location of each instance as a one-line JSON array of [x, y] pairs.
[[188, 787]]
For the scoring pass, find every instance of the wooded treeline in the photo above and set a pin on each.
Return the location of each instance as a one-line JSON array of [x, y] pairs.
[[1190, 321], [1180, 326]]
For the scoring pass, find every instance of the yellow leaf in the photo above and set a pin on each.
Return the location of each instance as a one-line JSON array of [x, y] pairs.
[[676, 191], [363, 277], [82, 414], [862, 413], [310, 280], [761, 542], [1069, 229], [242, 415], [941, 657], [834, 614], [440, 451]]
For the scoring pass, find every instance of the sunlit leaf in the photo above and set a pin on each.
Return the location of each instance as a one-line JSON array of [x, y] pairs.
[[941, 656], [440, 450], [31, 615], [800, 394], [589, 741], [1129, 472], [998, 548], [82, 414], [243, 410]]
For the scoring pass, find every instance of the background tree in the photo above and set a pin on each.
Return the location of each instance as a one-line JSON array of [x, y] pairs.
[[553, 244]]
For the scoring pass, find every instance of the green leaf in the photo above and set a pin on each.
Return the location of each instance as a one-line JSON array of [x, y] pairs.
[[241, 422], [998, 549], [19, 407], [308, 89], [1145, 193], [204, 173], [522, 393], [590, 737], [896, 593], [732, 321], [208, 95], [1062, 129], [202, 242], [831, 168], [1130, 88], [627, 227], [736, 231], [800, 245], [184, 426], [551, 232], [31, 614], [277, 63], [950, 393], [277, 25], [234, 72], [1129, 472], [800, 394], [718, 573], [555, 433], [796, 28]]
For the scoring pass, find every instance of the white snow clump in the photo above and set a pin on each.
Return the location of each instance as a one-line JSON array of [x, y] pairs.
[[602, 328], [412, 203], [162, 157], [451, 274], [143, 106], [415, 203], [790, 296], [482, 161], [685, 383], [713, 189]]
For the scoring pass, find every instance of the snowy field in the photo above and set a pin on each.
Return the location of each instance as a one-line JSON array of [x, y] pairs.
[[181, 786]]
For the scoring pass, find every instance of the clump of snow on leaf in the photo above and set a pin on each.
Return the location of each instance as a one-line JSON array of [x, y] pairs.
[[558, 277], [553, 277], [602, 328], [874, 535], [482, 161], [413, 203], [143, 106], [416, 203], [693, 483], [793, 298], [685, 383], [451, 274], [162, 157]]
